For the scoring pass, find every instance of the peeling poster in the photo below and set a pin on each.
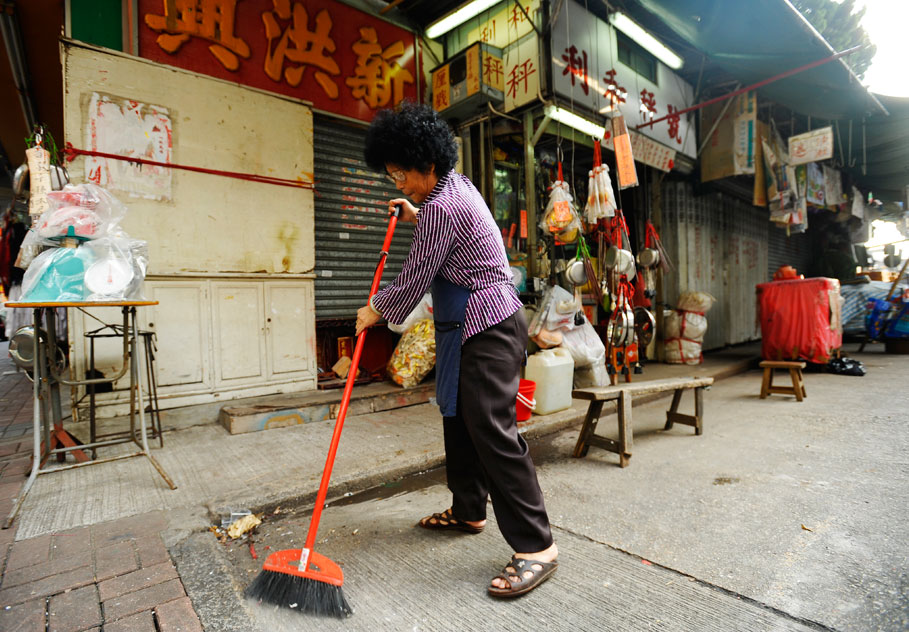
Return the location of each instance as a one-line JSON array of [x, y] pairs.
[[129, 128]]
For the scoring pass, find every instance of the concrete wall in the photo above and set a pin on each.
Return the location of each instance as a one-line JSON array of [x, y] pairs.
[[231, 261]]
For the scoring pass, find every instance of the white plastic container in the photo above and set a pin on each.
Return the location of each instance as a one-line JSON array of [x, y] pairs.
[[552, 370]]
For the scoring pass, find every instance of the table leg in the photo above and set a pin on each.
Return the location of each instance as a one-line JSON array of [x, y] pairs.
[[137, 375], [59, 436], [36, 430]]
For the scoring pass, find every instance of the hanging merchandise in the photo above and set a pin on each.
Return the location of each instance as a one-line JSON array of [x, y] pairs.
[[600, 198], [624, 158], [560, 219], [650, 257], [621, 347]]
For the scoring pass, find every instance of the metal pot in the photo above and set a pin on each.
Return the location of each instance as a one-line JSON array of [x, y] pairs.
[[575, 273], [645, 324], [622, 261], [649, 258]]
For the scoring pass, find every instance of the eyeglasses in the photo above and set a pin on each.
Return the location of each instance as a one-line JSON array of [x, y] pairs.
[[396, 176]]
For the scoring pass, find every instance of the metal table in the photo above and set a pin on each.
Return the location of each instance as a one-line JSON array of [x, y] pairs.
[[49, 436]]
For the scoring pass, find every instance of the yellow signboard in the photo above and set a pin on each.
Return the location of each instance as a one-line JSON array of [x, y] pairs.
[[441, 88]]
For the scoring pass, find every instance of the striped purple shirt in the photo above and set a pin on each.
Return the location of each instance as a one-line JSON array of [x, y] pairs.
[[457, 238]]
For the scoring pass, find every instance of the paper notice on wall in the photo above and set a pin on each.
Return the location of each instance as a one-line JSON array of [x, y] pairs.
[[624, 157], [136, 130], [39, 180]]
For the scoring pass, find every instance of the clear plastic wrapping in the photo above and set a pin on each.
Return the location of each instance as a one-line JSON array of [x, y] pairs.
[[422, 311], [98, 261], [85, 211], [415, 355]]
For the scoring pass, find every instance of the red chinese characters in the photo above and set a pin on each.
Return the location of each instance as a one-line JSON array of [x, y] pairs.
[[648, 105], [335, 56], [673, 122], [212, 20], [518, 78], [576, 65], [300, 46], [492, 70], [378, 78], [614, 93]]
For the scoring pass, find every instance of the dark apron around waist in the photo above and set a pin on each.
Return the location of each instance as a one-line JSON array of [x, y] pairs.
[[449, 303]]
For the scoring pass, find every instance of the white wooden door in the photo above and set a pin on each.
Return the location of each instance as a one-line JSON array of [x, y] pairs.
[[239, 332], [290, 329], [181, 324]]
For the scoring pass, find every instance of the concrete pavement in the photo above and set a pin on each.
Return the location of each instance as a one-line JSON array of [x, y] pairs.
[[783, 515]]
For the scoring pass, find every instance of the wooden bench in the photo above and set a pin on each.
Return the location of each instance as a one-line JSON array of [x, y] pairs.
[[622, 394], [795, 372]]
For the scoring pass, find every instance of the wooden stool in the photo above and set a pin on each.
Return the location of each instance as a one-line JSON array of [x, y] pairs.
[[795, 372]]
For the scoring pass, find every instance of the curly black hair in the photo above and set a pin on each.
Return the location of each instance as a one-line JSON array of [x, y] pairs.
[[413, 136]]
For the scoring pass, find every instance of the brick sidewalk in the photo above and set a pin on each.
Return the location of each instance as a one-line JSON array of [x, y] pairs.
[[111, 577]]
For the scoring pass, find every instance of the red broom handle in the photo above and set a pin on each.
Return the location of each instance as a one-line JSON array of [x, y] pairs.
[[345, 400]]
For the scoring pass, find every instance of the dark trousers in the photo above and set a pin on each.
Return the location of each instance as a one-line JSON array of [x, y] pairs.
[[485, 455]]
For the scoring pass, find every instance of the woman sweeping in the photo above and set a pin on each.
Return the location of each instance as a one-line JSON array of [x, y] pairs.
[[481, 335]]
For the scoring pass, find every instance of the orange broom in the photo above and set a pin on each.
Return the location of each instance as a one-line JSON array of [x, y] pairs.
[[301, 578]]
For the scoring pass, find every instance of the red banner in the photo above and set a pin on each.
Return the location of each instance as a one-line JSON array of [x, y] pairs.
[[341, 59]]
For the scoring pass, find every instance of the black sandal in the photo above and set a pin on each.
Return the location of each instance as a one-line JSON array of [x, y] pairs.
[[445, 521], [523, 585]]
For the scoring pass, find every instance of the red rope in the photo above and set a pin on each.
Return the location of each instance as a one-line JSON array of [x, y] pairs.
[[71, 153]]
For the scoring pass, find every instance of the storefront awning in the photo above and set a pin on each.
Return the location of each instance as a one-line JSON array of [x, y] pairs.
[[753, 41]]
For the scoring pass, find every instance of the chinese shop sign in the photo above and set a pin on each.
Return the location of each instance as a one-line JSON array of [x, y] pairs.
[[813, 146], [341, 59], [476, 70], [522, 72], [503, 25], [586, 70]]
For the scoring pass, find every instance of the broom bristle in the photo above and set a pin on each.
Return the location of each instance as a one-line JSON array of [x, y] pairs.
[[299, 593]]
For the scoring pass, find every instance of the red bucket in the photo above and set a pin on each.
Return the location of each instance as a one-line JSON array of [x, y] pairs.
[[526, 403]]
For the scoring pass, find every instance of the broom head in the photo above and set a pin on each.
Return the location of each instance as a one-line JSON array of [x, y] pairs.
[[315, 589]]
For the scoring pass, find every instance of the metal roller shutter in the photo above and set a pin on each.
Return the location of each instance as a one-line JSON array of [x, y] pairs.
[[351, 219], [792, 250]]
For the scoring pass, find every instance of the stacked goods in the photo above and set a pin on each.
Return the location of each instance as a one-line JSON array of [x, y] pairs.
[[685, 326]]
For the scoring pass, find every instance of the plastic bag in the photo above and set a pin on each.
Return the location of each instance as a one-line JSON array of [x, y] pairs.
[[560, 217], [422, 311], [118, 269], [584, 344], [57, 275], [846, 366], [695, 302], [415, 355], [593, 375], [600, 198], [86, 211]]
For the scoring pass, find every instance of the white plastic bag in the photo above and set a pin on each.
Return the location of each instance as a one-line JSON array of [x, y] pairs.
[[584, 345], [422, 311], [593, 375]]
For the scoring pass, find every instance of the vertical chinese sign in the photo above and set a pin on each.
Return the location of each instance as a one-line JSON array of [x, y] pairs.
[[587, 72], [340, 59]]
